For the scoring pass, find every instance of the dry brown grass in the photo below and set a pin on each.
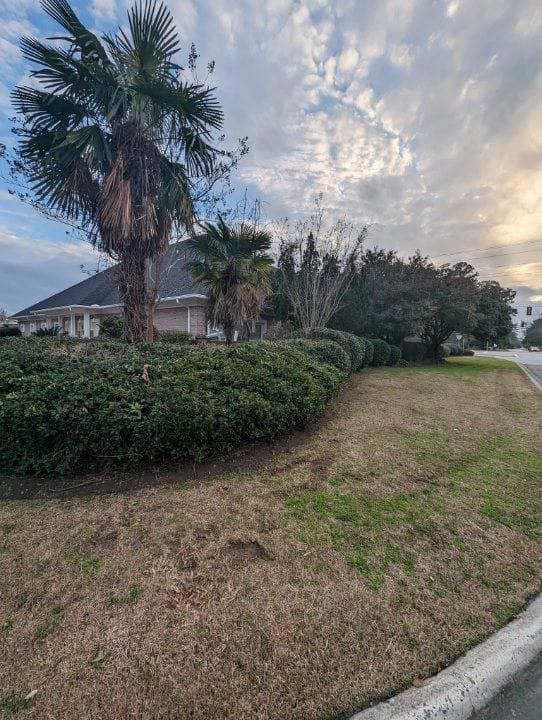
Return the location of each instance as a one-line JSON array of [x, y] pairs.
[[399, 533]]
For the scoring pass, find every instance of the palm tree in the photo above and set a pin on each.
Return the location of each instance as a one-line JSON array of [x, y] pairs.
[[113, 137], [234, 266]]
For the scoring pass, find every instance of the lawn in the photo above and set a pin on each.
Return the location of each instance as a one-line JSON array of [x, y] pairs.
[[299, 581]]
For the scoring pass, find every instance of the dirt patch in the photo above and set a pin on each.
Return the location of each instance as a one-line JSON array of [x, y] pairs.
[[241, 552]]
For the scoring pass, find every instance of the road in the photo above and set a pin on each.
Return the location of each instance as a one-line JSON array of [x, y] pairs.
[[532, 361], [521, 699]]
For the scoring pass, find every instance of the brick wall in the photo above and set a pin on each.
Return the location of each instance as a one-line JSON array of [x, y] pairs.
[[171, 318], [177, 319]]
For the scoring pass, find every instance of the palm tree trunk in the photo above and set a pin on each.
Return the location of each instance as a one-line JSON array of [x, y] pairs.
[[134, 295], [229, 332]]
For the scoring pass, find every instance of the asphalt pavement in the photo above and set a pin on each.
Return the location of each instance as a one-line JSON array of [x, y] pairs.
[[521, 699]]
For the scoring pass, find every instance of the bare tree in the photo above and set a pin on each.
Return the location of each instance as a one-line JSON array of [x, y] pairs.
[[316, 264]]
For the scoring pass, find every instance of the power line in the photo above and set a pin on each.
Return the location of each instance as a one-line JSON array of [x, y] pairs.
[[489, 247]]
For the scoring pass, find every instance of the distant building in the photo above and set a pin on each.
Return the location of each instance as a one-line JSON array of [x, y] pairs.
[[526, 315], [181, 304]]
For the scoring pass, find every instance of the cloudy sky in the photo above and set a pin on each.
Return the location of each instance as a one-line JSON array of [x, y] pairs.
[[422, 117]]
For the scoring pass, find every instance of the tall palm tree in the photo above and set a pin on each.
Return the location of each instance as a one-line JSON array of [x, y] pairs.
[[234, 265], [113, 137]]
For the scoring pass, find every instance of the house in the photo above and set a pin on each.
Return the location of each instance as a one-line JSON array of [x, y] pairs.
[[77, 310], [526, 315]]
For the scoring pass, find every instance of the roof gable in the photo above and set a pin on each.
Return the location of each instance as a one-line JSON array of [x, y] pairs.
[[101, 289]]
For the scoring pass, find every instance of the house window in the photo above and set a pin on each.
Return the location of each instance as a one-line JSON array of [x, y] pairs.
[[529, 309]]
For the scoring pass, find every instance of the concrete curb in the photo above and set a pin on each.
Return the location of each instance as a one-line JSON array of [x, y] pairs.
[[470, 683], [530, 376]]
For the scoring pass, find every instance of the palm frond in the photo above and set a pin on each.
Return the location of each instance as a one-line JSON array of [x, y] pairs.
[[47, 111], [89, 45], [191, 105], [151, 41]]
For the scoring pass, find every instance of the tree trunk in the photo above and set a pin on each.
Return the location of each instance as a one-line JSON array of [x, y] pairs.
[[132, 280], [229, 330]]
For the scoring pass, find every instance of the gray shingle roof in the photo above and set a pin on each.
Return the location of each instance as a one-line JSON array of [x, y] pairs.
[[101, 289]]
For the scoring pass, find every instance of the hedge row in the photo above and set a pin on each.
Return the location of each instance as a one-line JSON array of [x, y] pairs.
[[70, 406]]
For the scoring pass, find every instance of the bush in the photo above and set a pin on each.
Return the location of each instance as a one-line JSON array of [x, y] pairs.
[[327, 351], [395, 355], [176, 337], [47, 332], [381, 353], [112, 326], [369, 352], [413, 350], [443, 351], [9, 331], [349, 342], [70, 406], [468, 353]]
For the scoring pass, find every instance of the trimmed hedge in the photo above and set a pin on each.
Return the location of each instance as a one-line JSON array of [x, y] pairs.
[[70, 406], [369, 352], [327, 351], [413, 350], [382, 352], [395, 355], [349, 342], [10, 331], [175, 337]]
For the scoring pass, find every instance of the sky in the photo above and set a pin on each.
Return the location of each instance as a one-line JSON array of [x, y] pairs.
[[420, 117]]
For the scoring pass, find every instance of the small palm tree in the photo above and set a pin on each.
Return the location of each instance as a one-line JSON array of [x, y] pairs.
[[234, 265], [113, 136]]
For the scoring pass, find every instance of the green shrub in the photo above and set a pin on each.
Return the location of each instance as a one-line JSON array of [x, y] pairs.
[[395, 355], [357, 348], [112, 326], [47, 332], [413, 350], [349, 342], [327, 351], [71, 406], [443, 351], [9, 331], [369, 352], [381, 353], [459, 352], [176, 337]]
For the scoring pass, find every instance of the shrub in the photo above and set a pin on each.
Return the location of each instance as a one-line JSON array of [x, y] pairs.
[[443, 351], [357, 348], [352, 344], [369, 352], [381, 353], [413, 350], [10, 331], [176, 337], [47, 332], [327, 351], [395, 355], [112, 326], [459, 352], [70, 406]]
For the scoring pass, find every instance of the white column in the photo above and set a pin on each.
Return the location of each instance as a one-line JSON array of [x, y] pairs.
[[48, 323], [72, 325], [188, 319], [86, 324], [60, 324]]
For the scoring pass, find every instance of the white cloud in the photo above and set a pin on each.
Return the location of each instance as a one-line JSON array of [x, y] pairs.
[[421, 116]]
